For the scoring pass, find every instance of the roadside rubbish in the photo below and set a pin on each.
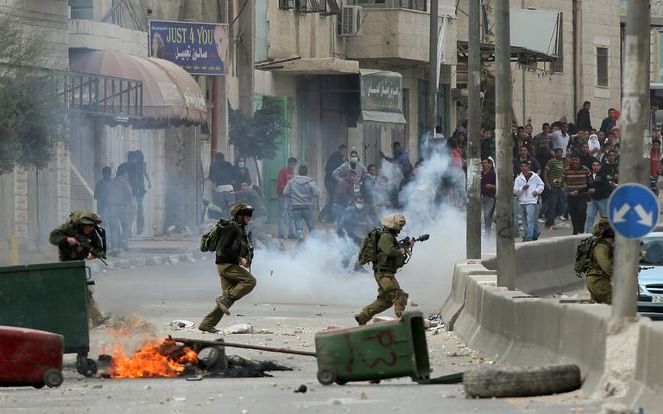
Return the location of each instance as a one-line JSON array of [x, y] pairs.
[[181, 324], [239, 328], [390, 349]]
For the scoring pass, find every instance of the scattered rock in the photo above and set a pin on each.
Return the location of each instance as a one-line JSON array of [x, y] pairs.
[[302, 389], [337, 402], [97, 386], [181, 324], [379, 319], [615, 408], [363, 396], [240, 328]]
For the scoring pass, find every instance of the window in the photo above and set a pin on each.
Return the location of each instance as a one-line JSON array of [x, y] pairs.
[[391, 4], [602, 79], [286, 4]]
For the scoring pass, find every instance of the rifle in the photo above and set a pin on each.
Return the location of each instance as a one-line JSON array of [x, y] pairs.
[[406, 244], [85, 244], [249, 238]]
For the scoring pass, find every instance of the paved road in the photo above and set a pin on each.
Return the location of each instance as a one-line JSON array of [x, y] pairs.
[[157, 295]]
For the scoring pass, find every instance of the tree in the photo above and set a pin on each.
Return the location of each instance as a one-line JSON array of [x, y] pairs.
[[32, 107], [257, 136]]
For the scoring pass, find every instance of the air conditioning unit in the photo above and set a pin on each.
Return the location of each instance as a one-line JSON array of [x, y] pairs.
[[350, 22]]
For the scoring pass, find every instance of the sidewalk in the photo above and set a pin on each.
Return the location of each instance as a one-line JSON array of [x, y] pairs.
[[142, 252]]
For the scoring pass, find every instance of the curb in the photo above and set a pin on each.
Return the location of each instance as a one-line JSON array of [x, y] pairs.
[[191, 256]]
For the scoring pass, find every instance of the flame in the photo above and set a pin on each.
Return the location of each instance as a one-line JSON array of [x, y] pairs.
[[153, 359]]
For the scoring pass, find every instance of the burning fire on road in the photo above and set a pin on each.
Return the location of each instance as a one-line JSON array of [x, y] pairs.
[[171, 358], [154, 359]]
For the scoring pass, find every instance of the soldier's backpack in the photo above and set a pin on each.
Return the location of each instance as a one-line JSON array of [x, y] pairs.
[[209, 240], [584, 255], [368, 251]]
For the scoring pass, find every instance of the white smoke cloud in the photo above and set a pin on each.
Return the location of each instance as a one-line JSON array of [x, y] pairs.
[[311, 273]]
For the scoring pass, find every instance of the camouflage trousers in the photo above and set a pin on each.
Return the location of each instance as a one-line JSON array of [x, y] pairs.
[[389, 294], [236, 282], [600, 288]]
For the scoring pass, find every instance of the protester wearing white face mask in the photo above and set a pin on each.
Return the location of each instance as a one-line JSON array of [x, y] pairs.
[[241, 174], [344, 172]]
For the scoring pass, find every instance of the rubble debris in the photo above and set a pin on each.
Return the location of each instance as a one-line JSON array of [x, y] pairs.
[[181, 324], [302, 389], [198, 377], [379, 319], [239, 328]]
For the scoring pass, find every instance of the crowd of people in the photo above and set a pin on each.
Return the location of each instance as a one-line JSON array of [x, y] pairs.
[[120, 200], [566, 171]]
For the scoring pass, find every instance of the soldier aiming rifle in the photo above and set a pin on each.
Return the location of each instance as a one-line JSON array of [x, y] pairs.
[[387, 255]]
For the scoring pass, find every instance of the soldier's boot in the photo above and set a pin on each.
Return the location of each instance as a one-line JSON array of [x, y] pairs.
[[223, 304], [209, 329], [400, 304], [361, 319]]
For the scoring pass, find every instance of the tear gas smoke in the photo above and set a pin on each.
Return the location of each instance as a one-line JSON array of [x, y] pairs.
[[311, 273]]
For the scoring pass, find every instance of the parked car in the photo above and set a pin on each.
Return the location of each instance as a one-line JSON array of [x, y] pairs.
[[650, 276]]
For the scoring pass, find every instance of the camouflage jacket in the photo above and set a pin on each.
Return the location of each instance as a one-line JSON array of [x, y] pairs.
[[66, 252], [602, 259], [390, 258]]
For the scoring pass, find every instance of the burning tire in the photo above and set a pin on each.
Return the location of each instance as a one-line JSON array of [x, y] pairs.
[[85, 366], [488, 382]]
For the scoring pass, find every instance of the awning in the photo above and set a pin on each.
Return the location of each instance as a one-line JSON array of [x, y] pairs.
[[381, 96], [171, 97], [296, 65]]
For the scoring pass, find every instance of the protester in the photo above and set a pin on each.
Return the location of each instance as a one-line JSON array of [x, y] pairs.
[[241, 174], [120, 201], [488, 186], [528, 186], [599, 189], [286, 227], [583, 118], [302, 192], [333, 162], [553, 176], [101, 191], [575, 181], [401, 158]]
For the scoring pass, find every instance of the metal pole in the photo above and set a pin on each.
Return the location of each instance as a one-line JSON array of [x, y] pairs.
[[632, 165], [506, 250], [432, 69], [473, 223], [232, 345]]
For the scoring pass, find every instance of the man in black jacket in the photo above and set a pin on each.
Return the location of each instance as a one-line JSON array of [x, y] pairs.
[[583, 119], [233, 257], [599, 189]]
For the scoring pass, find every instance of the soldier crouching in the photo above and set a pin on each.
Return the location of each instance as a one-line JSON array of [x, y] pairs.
[[81, 238]]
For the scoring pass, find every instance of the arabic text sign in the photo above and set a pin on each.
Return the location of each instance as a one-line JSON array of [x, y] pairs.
[[633, 210], [381, 91], [200, 48]]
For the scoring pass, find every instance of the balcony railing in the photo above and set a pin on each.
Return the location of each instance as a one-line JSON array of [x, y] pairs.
[[101, 95]]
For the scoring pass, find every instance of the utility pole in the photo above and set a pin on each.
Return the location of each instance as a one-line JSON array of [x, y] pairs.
[[432, 69], [245, 61], [632, 165], [219, 130], [506, 249], [473, 221]]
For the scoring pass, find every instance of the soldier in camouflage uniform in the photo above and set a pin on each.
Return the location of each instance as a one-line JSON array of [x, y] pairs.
[[233, 257], [390, 258], [599, 276], [81, 239]]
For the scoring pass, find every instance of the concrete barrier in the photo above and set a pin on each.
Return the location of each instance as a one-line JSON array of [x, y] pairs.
[[514, 327], [646, 391], [545, 266]]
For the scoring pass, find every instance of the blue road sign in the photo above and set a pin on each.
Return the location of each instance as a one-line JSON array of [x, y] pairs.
[[633, 210]]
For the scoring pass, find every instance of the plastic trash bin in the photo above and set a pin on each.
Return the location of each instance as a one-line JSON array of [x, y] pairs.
[[50, 297], [374, 352], [30, 357]]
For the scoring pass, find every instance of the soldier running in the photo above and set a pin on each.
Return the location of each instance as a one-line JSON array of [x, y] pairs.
[[233, 257], [81, 238], [390, 257]]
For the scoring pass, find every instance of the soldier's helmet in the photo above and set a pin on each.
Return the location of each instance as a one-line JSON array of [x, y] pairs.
[[393, 222], [600, 226], [241, 209], [85, 217]]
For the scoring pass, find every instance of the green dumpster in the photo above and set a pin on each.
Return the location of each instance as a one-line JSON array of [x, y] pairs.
[[374, 352], [50, 297]]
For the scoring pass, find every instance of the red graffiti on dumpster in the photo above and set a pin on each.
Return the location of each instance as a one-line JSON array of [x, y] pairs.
[[386, 339]]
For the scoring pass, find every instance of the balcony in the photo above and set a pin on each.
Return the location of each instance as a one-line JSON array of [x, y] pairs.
[[399, 35]]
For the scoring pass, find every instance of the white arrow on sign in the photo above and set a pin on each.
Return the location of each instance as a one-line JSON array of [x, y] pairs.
[[646, 219], [619, 214]]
